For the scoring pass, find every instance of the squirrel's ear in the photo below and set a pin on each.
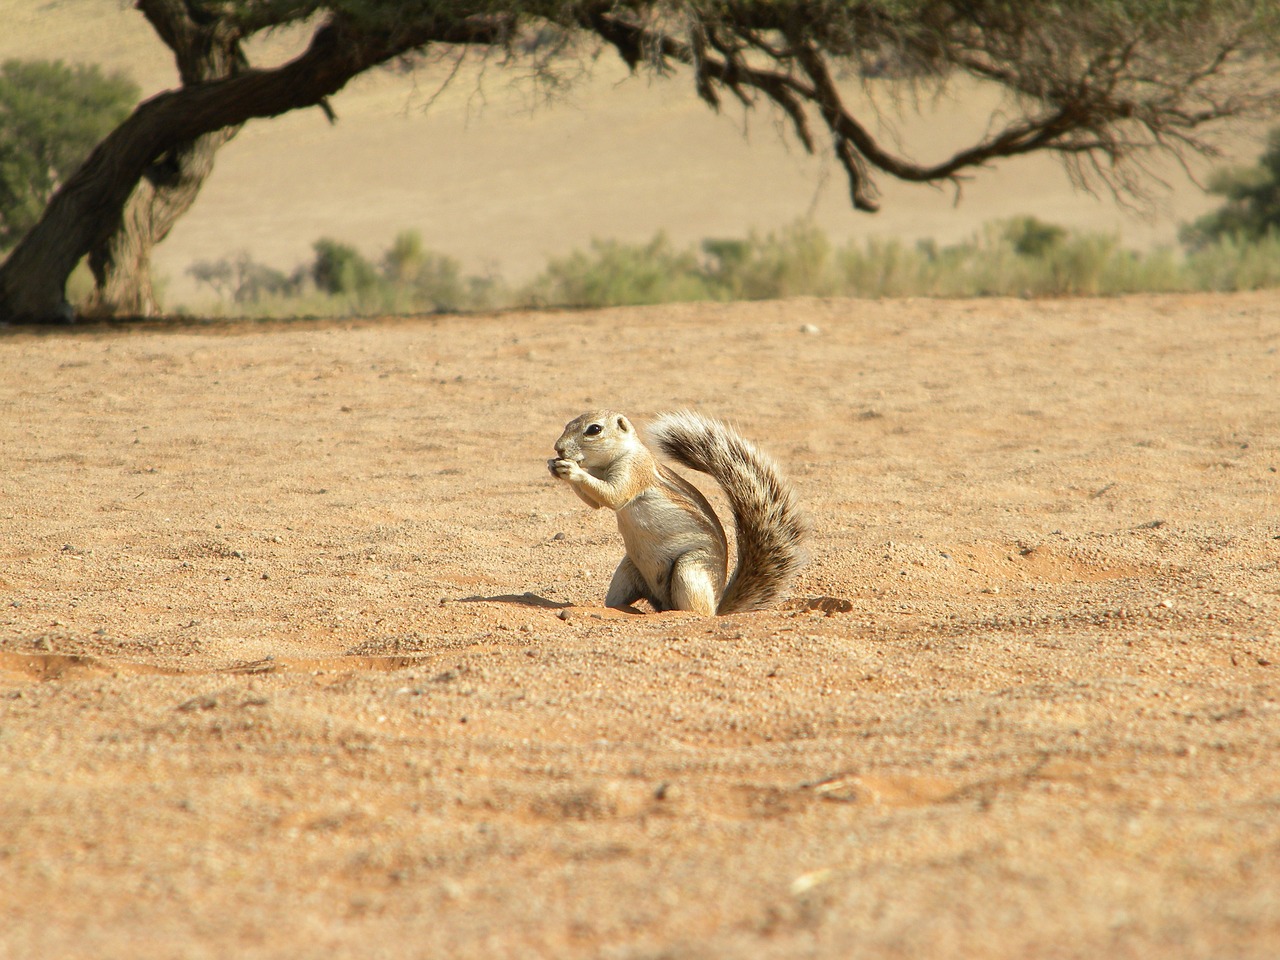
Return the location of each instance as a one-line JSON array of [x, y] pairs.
[[624, 424]]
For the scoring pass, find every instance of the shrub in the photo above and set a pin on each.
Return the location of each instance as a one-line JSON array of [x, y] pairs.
[[51, 116], [889, 268], [794, 260], [616, 274], [1031, 236], [339, 280], [1252, 208], [340, 268], [1019, 257], [1233, 263], [243, 280], [420, 279]]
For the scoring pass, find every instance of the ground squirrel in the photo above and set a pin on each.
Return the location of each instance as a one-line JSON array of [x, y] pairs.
[[677, 552]]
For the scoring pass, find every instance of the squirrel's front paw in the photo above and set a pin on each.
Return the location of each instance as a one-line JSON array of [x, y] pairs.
[[564, 469]]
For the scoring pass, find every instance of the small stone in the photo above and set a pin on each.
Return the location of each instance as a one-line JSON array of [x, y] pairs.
[[809, 329]]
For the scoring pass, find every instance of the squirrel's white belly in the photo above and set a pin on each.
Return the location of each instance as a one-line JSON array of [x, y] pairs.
[[656, 532]]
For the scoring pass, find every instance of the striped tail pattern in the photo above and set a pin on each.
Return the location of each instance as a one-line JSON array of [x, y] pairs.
[[770, 527]]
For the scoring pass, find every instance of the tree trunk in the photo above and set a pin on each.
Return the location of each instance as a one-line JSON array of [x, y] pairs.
[[89, 209], [121, 264], [89, 216]]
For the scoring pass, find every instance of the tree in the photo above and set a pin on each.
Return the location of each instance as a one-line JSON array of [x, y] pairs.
[[340, 268], [51, 116], [1104, 84], [243, 279], [206, 47], [1252, 208]]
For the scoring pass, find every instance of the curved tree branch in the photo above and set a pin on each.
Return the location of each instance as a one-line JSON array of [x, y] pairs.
[[1079, 106], [84, 213]]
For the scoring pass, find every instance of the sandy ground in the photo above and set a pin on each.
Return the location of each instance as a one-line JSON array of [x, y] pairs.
[[302, 651]]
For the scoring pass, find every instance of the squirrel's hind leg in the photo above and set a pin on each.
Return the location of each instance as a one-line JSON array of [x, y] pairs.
[[693, 587], [626, 587]]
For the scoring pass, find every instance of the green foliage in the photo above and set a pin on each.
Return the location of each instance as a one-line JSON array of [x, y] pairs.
[[341, 281], [1020, 257], [615, 273], [890, 268], [1233, 263], [1031, 236], [340, 269], [795, 260], [1252, 208], [51, 116], [243, 280], [423, 280]]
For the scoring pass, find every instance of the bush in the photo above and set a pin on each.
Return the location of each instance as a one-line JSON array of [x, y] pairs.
[[620, 274], [244, 280], [1252, 208], [795, 260], [340, 269], [422, 280], [340, 280], [1032, 237], [51, 116], [1233, 263], [889, 268], [1019, 257]]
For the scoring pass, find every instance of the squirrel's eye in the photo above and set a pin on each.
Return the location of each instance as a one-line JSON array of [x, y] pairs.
[[592, 430]]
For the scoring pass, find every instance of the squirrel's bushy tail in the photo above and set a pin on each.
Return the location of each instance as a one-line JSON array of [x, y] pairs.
[[770, 527]]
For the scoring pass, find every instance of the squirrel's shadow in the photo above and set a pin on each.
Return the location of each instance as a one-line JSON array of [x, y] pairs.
[[520, 599]]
